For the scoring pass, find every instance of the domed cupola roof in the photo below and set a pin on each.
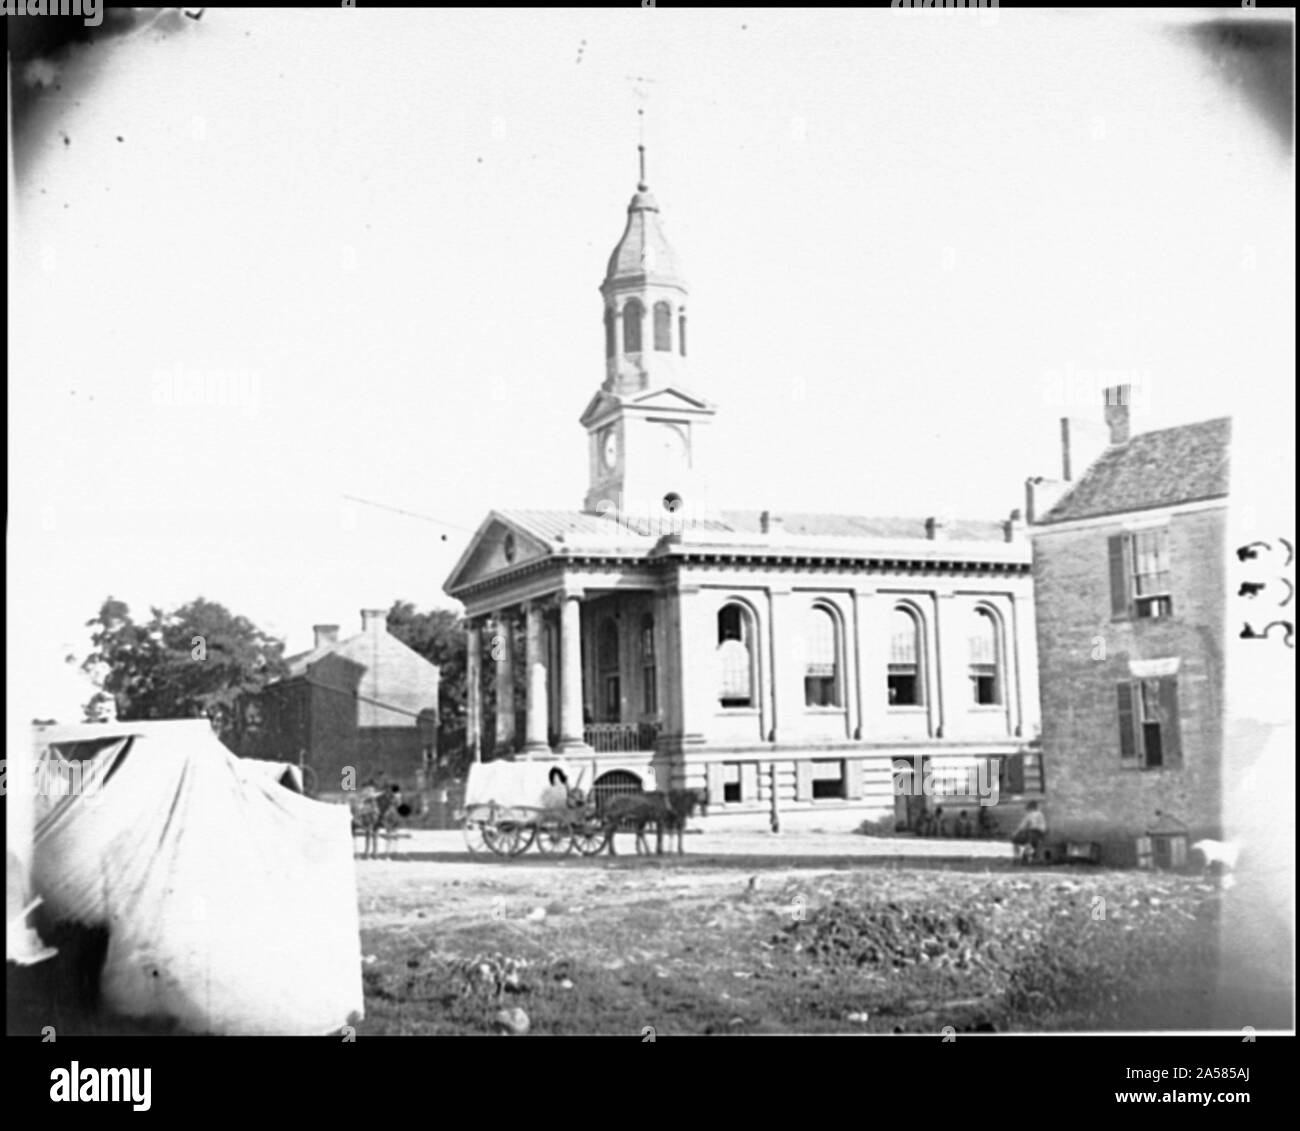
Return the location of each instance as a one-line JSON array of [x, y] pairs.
[[644, 251]]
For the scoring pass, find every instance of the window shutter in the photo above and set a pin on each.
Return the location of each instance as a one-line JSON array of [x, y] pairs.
[[803, 779], [1119, 576], [1128, 743], [853, 778], [715, 778], [1170, 736], [1015, 764]]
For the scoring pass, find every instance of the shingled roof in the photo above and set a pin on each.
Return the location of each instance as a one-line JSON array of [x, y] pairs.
[[1154, 469]]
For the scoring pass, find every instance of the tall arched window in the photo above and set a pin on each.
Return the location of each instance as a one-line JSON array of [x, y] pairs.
[[681, 334], [611, 347], [821, 682], [736, 652], [985, 661], [633, 312], [663, 327], [611, 699], [905, 674], [649, 673]]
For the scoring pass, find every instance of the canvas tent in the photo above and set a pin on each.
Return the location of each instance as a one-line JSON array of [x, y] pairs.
[[230, 901]]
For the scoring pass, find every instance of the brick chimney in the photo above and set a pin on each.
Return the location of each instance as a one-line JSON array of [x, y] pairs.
[[770, 523], [1118, 399], [374, 621], [935, 528], [1014, 527], [326, 634]]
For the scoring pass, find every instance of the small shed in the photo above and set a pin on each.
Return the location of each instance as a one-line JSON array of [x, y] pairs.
[[1164, 844]]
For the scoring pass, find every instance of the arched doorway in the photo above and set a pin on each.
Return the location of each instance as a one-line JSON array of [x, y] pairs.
[[613, 782]]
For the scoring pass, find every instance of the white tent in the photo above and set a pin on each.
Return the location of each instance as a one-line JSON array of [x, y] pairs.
[[230, 901]]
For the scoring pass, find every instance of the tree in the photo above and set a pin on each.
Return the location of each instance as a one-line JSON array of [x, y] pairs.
[[200, 661]]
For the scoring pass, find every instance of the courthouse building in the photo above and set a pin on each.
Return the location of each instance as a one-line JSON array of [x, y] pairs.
[[807, 663]]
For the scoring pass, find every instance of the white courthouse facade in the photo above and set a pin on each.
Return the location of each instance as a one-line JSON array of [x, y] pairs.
[[808, 668]]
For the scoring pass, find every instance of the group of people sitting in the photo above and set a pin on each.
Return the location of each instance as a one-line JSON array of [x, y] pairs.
[[934, 823], [1028, 836]]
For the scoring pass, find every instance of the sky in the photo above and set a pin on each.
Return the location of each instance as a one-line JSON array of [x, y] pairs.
[[268, 259]]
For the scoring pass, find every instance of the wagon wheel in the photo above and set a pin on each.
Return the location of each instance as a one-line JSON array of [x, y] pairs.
[[554, 837], [590, 837], [509, 838], [476, 839]]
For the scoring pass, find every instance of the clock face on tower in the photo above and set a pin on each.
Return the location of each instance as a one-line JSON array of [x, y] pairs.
[[609, 449]]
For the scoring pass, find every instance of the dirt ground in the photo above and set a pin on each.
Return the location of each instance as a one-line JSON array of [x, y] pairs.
[[801, 932]]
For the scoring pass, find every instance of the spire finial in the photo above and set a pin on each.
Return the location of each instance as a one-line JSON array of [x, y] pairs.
[[640, 115]]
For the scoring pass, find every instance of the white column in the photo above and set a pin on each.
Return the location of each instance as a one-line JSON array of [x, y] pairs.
[[473, 688], [571, 735], [862, 682], [502, 654], [787, 682], [536, 721]]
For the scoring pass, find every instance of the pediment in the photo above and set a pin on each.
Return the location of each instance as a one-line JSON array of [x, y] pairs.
[[666, 398], [670, 398], [487, 556]]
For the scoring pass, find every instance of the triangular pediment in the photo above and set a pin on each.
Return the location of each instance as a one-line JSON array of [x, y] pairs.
[[669, 397], [665, 398], [602, 404], [498, 547]]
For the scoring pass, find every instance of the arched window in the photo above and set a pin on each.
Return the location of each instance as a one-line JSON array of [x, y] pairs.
[[649, 674], [611, 346], [736, 653], [681, 334], [821, 681], [633, 312], [663, 327], [985, 661], [611, 700], [905, 674]]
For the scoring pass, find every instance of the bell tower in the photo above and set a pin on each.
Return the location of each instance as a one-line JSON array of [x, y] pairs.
[[644, 426]]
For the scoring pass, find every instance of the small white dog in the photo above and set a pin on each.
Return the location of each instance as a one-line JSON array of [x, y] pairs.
[[1220, 857]]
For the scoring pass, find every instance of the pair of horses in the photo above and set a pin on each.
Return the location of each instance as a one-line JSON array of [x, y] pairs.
[[666, 810]]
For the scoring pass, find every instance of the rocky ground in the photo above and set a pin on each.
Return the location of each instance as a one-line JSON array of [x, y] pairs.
[[807, 933]]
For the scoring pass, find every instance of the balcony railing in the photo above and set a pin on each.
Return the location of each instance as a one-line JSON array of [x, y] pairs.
[[614, 738]]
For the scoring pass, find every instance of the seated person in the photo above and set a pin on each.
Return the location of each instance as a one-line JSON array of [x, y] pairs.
[[556, 794], [940, 825], [1030, 833], [963, 824], [988, 825]]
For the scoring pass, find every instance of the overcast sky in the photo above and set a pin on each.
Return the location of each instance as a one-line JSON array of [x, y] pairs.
[[378, 236]]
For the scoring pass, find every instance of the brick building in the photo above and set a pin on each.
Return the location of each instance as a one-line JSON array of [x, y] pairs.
[[1130, 592], [368, 702], [823, 666]]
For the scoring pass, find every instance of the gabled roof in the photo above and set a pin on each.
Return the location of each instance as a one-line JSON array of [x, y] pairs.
[[359, 649], [1154, 469]]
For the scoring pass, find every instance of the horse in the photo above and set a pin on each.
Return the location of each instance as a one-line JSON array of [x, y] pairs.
[[376, 810], [668, 810]]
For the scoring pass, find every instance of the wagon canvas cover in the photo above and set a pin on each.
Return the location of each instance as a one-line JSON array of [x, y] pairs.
[[230, 900], [511, 784]]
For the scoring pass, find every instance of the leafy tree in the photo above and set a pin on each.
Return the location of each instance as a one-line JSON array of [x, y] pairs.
[[199, 661]]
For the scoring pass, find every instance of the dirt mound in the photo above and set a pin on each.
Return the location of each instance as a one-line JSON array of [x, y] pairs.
[[890, 935]]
